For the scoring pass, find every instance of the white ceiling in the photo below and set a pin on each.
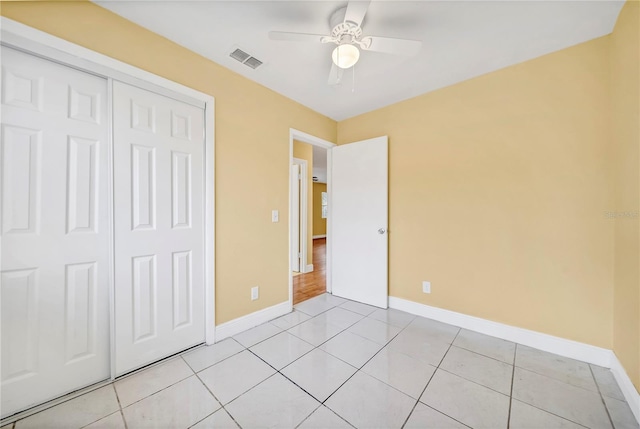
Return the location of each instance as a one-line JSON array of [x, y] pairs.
[[461, 40]]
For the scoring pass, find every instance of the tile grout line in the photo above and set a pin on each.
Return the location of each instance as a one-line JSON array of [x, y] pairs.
[[287, 330], [318, 347], [307, 418], [474, 382], [297, 385], [279, 371], [261, 382], [547, 411], [157, 364], [558, 380], [604, 404], [221, 360], [126, 426], [364, 364], [158, 391], [56, 402], [216, 398], [481, 354], [290, 380], [513, 376], [431, 378]]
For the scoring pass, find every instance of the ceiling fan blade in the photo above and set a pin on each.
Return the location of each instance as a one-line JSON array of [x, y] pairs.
[[389, 45], [335, 75], [295, 37], [356, 10]]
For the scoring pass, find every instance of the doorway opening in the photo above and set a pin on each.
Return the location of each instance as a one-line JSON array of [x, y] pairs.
[[309, 221], [313, 199]]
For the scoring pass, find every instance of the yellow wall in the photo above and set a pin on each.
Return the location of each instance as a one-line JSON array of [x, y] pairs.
[[625, 80], [251, 161], [319, 223], [305, 151], [497, 191]]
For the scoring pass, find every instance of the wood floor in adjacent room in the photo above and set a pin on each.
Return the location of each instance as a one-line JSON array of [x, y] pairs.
[[312, 284]]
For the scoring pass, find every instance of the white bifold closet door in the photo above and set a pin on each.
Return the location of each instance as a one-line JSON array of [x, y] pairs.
[[55, 231], [159, 231]]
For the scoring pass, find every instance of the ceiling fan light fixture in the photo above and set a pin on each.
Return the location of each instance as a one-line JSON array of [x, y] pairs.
[[345, 56]]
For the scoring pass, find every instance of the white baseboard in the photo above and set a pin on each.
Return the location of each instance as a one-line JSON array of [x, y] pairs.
[[563, 347], [319, 236], [241, 324], [308, 269], [626, 385]]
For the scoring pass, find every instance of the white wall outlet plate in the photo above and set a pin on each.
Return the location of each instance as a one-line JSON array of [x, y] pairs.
[[255, 293], [426, 287], [274, 215]]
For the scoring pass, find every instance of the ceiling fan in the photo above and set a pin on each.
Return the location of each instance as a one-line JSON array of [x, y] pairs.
[[347, 35]]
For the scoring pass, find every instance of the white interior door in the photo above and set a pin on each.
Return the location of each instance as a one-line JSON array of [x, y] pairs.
[[359, 213], [159, 229], [55, 232]]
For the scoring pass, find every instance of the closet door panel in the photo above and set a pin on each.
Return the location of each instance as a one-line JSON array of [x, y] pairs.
[[54, 225], [159, 231]]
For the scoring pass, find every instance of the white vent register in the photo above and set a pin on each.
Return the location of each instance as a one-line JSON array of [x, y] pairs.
[[245, 58]]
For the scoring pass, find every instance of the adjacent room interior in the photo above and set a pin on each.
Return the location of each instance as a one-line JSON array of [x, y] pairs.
[[309, 241], [332, 214]]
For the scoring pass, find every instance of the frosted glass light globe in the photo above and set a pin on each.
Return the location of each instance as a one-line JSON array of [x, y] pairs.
[[345, 56]]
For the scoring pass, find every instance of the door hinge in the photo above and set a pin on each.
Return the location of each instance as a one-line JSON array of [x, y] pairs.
[[299, 255], [299, 176]]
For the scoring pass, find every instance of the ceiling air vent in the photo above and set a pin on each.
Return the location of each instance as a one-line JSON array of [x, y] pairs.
[[239, 55], [253, 62], [245, 58]]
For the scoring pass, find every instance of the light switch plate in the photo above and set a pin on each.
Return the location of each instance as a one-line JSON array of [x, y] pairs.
[[274, 216], [255, 293]]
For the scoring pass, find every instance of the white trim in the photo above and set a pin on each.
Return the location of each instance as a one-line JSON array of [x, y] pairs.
[[308, 268], [319, 236], [308, 138], [563, 347], [304, 213], [241, 324], [315, 141], [626, 385], [210, 223], [111, 231], [33, 41], [329, 244]]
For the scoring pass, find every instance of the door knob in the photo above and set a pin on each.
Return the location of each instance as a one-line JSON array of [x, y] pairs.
[[382, 231]]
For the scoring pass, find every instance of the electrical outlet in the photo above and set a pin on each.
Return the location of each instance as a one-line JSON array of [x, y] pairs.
[[426, 287], [255, 293], [274, 216]]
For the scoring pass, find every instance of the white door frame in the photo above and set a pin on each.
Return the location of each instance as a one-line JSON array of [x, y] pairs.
[[315, 141], [36, 42], [303, 201]]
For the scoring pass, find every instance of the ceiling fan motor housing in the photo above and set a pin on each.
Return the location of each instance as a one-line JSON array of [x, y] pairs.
[[346, 32]]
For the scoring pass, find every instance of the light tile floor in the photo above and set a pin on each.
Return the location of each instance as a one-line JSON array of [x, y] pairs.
[[334, 363]]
